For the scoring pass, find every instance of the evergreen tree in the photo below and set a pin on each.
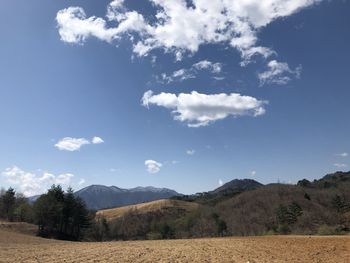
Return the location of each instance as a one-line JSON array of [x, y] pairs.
[[60, 214], [8, 201]]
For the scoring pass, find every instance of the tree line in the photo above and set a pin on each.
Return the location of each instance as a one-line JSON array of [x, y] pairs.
[[58, 214], [14, 206], [274, 209]]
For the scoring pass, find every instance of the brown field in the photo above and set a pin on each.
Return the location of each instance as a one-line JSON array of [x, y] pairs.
[[159, 205], [17, 247]]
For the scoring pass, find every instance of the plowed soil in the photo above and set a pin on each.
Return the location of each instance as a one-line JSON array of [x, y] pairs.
[[17, 247]]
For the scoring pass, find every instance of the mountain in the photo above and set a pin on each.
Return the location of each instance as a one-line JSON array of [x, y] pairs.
[[225, 191], [32, 199], [237, 185], [328, 181], [99, 196]]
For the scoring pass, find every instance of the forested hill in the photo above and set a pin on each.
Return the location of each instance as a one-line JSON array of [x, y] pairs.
[[221, 193], [310, 207]]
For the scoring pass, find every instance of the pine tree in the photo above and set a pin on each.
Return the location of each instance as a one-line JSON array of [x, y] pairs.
[[8, 201]]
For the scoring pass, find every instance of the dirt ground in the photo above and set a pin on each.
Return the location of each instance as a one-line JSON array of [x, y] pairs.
[[16, 247]]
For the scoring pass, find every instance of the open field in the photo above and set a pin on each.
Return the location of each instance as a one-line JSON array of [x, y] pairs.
[[16, 247], [143, 208]]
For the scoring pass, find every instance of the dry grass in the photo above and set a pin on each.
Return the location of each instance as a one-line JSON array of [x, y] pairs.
[[15, 247], [159, 205], [19, 227]]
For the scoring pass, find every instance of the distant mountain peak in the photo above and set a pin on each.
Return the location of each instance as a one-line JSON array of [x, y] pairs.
[[101, 196], [238, 185], [150, 189]]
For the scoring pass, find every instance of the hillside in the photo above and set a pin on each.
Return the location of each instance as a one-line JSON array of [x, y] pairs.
[[334, 180], [221, 193], [285, 209], [237, 185], [19, 227], [243, 208], [159, 206], [99, 197]]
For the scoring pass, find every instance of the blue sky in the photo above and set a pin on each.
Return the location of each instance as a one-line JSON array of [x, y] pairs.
[[269, 98]]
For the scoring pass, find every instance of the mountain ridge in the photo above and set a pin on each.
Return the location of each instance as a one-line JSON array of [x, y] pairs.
[[100, 196]]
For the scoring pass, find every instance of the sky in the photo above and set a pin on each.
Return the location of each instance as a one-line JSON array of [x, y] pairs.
[[180, 94]]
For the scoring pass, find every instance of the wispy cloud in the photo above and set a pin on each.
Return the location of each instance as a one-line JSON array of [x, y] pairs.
[[81, 182], [278, 73], [179, 76], [340, 165], [190, 73], [32, 184], [198, 109], [190, 152], [74, 144], [344, 154], [152, 166]]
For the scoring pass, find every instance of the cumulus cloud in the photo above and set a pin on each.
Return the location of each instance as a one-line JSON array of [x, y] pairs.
[[190, 73], [220, 182], [181, 26], [97, 140], [340, 165], [74, 144], [71, 144], [32, 184], [191, 152], [278, 73], [198, 109], [152, 166]]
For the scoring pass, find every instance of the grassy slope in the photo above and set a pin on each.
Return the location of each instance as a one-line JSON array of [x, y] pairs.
[[160, 205]]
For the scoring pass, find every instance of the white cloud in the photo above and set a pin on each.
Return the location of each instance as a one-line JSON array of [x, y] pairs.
[[220, 182], [81, 182], [252, 173], [31, 184], [278, 73], [342, 154], [198, 109], [71, 144], [340, 165], [190, 73], [207, 65], [74, 144], [191, 152], [152, 166], [179, 27], [178, 75], [97, 140]]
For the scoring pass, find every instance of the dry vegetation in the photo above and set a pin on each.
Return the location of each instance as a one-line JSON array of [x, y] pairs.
[[16, 247], [20, 227], [148, 207]]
